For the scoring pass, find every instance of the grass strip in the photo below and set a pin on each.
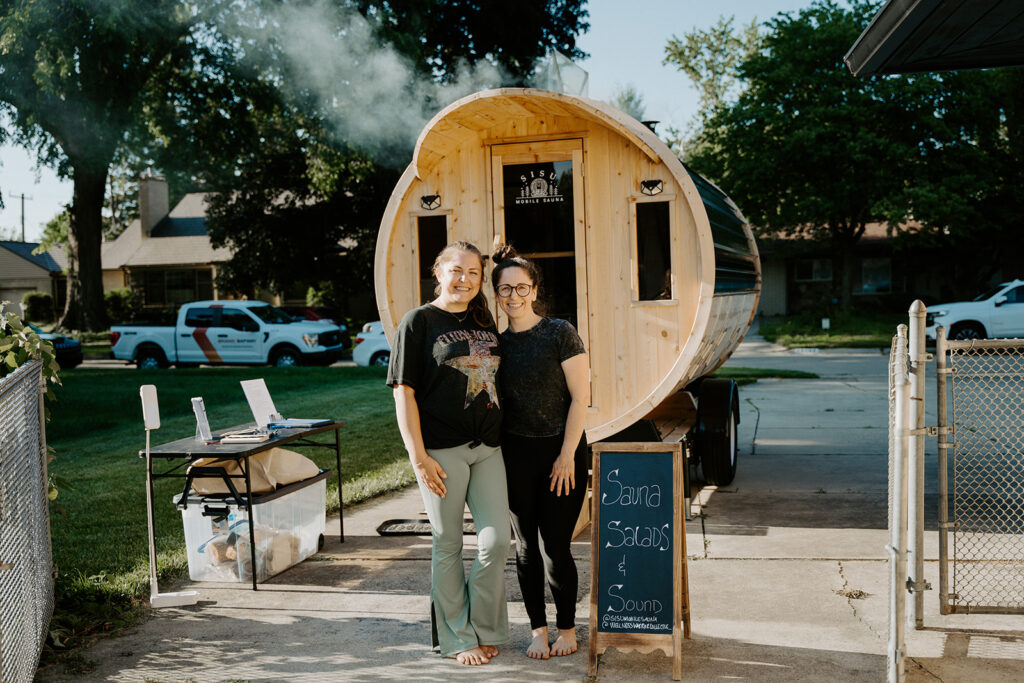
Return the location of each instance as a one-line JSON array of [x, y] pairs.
[[847, 329]]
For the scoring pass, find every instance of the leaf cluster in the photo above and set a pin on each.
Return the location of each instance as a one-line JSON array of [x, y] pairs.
[[19, 344]]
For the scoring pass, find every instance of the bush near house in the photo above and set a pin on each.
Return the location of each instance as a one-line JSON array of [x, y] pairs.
[[122, 305], [38, 307]]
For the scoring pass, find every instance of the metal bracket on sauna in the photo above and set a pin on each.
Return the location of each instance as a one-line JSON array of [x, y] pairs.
[[655, 265]]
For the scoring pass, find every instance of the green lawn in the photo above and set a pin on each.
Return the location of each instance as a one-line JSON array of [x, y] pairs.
[[749, 375], [868, 329], [99, 521]]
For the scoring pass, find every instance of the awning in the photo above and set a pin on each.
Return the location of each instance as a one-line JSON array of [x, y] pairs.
[[908, 36]]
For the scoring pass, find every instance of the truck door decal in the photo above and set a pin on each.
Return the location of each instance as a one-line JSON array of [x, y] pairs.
[[199, 334]]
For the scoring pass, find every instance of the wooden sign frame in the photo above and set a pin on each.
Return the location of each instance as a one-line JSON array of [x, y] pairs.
[[644, 643]]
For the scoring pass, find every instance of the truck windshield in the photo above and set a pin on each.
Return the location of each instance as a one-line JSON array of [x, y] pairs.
[[990, 293], [271, 315]]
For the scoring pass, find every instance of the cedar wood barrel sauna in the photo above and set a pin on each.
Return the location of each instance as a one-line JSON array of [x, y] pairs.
[[654, 265]]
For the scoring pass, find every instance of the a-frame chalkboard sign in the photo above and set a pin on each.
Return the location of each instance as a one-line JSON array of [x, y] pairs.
[[639, 594]]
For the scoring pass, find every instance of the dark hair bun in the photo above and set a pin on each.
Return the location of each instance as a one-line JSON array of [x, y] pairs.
[[503, 252]]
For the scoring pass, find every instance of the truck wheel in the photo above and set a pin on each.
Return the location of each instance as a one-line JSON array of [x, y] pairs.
[[286, 357], [381, 358], [968, 330], [716, 434], [150, 358]]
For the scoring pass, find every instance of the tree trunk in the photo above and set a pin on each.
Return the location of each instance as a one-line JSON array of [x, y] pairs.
[[84, 309]]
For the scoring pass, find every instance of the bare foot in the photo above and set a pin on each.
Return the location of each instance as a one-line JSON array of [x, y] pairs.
[[539, 647], [489, 650], [474, 657], [565, 644]]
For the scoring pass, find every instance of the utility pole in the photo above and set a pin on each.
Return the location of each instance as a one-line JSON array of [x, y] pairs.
[[23, 198]]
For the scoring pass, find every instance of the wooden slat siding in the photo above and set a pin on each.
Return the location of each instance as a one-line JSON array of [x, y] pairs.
[[640, 353]]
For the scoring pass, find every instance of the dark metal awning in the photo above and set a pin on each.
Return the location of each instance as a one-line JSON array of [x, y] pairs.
[[908, 36]]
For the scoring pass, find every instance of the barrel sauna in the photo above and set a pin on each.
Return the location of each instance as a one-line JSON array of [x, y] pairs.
[[654, 265]]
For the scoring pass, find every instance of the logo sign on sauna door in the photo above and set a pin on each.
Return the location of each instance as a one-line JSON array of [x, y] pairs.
[[636, 543]]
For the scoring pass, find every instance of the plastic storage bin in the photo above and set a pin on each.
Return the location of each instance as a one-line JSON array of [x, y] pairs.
[[289, 527]]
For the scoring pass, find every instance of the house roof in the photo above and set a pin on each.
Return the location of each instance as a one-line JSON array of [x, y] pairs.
[[24, 249], [908, 36], [180, 238]]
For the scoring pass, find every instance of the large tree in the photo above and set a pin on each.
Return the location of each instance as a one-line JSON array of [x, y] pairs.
[[808, 149], [77, 78]]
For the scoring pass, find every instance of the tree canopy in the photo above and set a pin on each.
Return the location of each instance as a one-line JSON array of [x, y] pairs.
[[806, 148], [209, 94]]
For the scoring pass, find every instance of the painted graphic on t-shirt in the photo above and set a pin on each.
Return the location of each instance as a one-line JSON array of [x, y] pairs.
[[480, 367]]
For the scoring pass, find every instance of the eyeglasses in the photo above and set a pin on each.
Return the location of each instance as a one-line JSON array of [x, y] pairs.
[[522, 289]]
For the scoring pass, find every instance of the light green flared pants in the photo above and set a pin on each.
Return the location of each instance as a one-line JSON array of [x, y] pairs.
[[469, 612]]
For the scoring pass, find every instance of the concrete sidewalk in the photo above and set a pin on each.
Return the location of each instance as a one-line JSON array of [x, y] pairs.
[[788, 578]]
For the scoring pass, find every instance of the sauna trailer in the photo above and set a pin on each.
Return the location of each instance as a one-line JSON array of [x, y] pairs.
[[654, 265]]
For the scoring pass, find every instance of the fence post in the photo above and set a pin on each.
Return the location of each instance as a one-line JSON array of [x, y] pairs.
[[944, 442], [915, 467], [897, 539]]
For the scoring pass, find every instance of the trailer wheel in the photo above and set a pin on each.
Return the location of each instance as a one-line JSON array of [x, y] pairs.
[[716, 435]]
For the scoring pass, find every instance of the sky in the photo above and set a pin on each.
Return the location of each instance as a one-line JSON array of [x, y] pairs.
[[626, 43]]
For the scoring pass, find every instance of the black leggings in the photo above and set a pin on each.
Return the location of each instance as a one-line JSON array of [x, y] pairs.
[[543, 524]]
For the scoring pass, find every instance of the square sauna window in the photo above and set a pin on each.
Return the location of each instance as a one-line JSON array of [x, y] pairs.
[[431, 238], [539, 207], [653, 253]]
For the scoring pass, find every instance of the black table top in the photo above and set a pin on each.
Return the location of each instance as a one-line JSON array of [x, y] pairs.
[[190, 448]]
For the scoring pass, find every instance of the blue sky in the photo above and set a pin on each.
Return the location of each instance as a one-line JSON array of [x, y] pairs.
[[626, 43]]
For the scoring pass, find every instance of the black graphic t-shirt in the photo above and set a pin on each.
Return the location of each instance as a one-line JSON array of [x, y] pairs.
[[535, 394], [453, 368]]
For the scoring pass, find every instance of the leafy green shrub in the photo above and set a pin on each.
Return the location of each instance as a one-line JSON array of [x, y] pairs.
[[38, 307], [122, 305]]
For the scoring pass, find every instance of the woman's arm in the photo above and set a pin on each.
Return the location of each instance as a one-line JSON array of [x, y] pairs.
[[427, 469], [577, 376]]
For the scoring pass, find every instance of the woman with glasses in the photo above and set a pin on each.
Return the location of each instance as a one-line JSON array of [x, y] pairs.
[[544, 379], [443, 372]]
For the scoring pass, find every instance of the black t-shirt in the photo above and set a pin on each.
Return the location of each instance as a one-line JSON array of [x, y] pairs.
[[453, 368], [534, 391]]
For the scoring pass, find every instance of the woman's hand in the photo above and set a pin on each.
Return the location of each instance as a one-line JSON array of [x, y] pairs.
[[430, 472], [563, 474]]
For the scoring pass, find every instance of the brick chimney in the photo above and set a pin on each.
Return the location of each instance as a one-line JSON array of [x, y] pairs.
[[153, 201]]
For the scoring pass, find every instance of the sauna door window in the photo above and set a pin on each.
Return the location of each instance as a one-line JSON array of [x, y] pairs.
[[431, 238], [539, 223]]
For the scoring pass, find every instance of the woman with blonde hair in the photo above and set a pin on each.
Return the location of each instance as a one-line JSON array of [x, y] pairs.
[[443, 372]]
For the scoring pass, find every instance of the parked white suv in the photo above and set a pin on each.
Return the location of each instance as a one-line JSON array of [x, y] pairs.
[[997, 313], [372, 346]]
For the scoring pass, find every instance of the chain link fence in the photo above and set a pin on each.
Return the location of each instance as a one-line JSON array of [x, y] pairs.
[[26, 568], [987, 486]]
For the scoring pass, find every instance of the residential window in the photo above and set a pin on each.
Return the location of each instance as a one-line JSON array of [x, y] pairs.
[[431, 236], [173, 287], [876, 275], [813, 270], [653, 254]]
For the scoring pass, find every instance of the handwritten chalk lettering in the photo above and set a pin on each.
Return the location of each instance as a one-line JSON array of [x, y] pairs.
[[639, 606], [617, 493], [654, 537]]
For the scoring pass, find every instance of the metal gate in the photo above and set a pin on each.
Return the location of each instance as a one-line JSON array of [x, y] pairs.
[[985, 568]]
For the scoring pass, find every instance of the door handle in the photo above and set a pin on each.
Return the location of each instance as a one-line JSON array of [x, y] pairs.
[[222, 335], [186, 335]]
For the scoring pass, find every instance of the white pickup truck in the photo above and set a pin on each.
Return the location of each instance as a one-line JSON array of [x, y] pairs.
[[228, 332]]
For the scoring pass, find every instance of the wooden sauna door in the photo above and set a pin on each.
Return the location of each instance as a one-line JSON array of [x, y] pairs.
[[537, 189]]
